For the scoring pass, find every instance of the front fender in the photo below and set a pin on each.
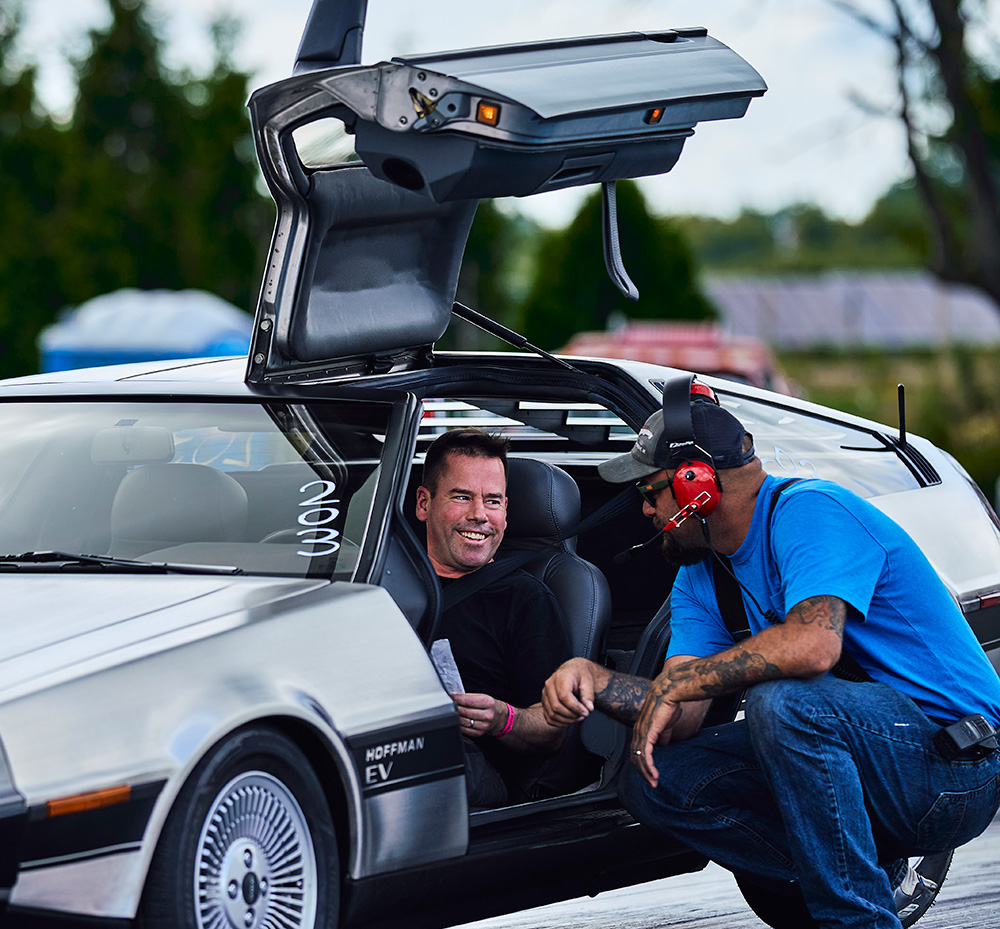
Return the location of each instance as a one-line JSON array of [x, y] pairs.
[[341, 659]]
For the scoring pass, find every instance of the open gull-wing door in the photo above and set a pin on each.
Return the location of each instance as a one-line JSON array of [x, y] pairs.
[[365, 257]]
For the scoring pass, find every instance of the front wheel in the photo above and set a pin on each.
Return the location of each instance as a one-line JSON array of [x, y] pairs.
[[784, 912], [249, 844]]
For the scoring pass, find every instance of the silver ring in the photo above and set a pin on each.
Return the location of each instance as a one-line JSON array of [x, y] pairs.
[[638, 751], [472, 724]]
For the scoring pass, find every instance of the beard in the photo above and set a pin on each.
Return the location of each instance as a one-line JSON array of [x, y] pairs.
[[682, 554]]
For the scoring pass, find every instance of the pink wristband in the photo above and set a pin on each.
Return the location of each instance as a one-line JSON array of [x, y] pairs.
[[509, 724]]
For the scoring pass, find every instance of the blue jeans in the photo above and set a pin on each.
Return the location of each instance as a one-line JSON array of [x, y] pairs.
[[825, 783]]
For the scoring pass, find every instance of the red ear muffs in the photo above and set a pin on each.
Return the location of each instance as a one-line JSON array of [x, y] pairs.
[[696, 488]]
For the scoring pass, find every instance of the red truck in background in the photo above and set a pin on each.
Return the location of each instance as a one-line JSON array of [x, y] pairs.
[[704, 348]]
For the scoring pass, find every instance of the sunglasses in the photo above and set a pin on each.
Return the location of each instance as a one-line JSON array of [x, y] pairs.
[[649, 492]]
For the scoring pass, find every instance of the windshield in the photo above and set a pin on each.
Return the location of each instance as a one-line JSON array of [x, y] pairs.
[[268, 488]]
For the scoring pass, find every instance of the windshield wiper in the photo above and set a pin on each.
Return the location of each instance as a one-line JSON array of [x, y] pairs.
[[154, 567]]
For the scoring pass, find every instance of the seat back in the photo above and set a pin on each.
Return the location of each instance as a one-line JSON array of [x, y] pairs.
[[162, 505], [543, 504]]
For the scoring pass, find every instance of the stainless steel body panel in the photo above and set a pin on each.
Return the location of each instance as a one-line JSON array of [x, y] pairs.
[[128, 701], [98, 887], [946, 521], [394, 822], [113, 618]]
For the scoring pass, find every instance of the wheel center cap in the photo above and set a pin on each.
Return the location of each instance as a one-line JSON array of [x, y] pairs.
[[244, 883], [251, 888]]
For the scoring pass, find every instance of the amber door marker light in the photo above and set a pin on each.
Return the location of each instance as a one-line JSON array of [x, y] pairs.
[[93, 800], [488, 113]]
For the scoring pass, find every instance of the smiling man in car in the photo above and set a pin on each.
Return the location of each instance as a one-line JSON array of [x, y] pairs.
[[507, 637]]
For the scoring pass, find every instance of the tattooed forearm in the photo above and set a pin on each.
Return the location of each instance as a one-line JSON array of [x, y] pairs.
[[806, 645], [739, 670], [824, 612], [724, 674], [623, 697]]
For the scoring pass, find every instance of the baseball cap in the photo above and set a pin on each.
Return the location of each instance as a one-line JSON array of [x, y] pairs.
[[718, 436]]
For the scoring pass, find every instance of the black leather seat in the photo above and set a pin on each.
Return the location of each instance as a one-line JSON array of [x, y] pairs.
[[543, 504]]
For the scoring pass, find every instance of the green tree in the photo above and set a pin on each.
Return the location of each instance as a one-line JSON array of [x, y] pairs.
[[742, 244], [32, 153], [163, 189], [954, 173], [225, 222], [897, 217], [485, 283], [571, 291], [151, 184], [802, 239]]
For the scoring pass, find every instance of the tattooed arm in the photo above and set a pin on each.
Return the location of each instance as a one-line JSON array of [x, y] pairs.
[[569, 694], [806, 645], [580, 686]]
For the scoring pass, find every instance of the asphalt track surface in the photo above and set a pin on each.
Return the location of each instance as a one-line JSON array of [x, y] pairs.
[[970, 899]]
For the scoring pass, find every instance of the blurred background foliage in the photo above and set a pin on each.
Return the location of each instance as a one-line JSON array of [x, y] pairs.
[[570, 289], [151, 182]]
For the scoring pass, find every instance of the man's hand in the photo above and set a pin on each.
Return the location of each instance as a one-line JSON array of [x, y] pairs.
[[568, 696], [481, 714], [806, 645], [654, 727]]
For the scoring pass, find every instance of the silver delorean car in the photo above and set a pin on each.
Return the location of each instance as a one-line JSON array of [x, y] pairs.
[[217, 704]]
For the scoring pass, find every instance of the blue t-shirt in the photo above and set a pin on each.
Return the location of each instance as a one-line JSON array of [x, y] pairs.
[[903, 627]]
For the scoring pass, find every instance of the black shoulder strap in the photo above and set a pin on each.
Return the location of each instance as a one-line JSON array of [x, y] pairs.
[[472, 583], [727, 589], [730, 599]]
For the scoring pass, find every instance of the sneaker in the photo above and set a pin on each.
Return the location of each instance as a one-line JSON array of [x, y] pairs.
[[914, 893]]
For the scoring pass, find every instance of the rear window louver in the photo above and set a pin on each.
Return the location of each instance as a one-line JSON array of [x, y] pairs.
[[920, 466]]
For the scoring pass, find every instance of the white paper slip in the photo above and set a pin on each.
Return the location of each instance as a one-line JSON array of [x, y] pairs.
[[444, 662]]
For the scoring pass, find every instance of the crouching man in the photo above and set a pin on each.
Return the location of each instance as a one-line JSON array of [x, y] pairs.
[[858, 660]]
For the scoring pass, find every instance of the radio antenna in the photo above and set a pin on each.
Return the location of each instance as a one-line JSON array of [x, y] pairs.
[[902, 414]]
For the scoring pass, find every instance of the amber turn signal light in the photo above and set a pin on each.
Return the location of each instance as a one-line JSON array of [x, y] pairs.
[[488, 113], [94, 800]]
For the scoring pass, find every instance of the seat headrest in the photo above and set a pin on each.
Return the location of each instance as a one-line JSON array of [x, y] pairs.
[[160, 505], [543, 501]]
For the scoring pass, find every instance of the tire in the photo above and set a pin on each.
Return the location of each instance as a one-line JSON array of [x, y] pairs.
[[935, 869], [249, 843], [783, 912]]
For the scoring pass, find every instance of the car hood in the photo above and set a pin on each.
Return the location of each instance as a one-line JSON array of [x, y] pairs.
[[60, 627]]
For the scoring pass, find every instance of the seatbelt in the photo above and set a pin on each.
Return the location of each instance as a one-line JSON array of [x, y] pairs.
[[729, 596], [471, 583]]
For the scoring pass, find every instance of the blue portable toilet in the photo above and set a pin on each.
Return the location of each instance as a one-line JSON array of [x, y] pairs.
[[144, 325]]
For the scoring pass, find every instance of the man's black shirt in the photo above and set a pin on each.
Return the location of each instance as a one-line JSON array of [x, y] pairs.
[[507, 639]]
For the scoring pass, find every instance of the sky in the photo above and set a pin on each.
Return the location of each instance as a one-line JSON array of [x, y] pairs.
[[806, 140]]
